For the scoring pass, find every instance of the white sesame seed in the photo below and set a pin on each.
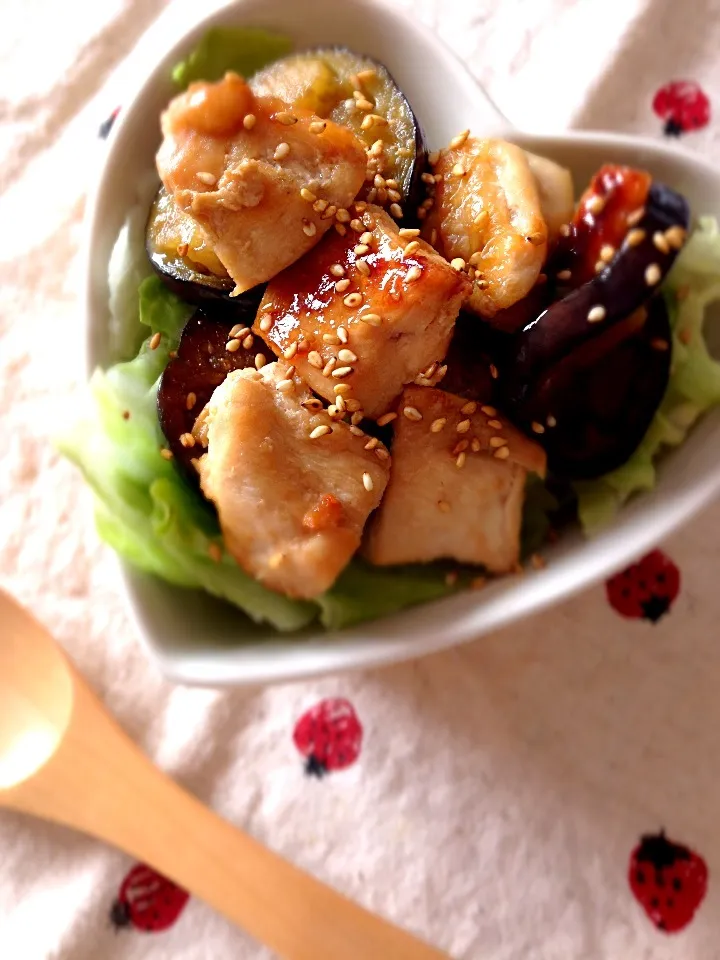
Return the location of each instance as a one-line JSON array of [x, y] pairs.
[[498, 442], [353, 300], [360, 249], [607, 252], [249, 121], [457, 263], [551, 421], [366, 237], [285, 386], [565, 230], [354, 406], [372, 443], [308, 195], [320, 206], [463, 426], [155, 340], [372, 318], [281, 151], [600, 265], [460, 446], [412, 413], [312, 404], [396, 211], [635, 217], [337, 270], [328, 368], [341, 286], [363, 266], [437, 425], [340, 372], [265, 324], [290, 351], [495, 424], [260, 361], [660, 242], [411, 248], [315, 360], [341, 389], [331, 338], [329, 212], [494, 372], [357, 417], [362, 104], [367, 482], [385, 419], [407, 233], [287, 119], [346, 356], [414, 273], [166, 454], [357, 225], [460, 461], [320, 431], [232, 346], [675, 236], [653, 275], [470, 407], [381, 453], [394, 195], [458, 170], [248, 341], [356, 431], [187, 440], [459, 140], [433, 237], [309, 229], [433, 158], [475, 445], [537, 427], [190, 401], [342, 334], [635, 237], [564, 274], [502, 453], [209, 178], [488, 411], [595, 204], [317, 126], [596, 314]]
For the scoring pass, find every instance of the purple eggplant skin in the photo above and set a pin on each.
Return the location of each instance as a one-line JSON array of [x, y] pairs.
[[629, 280], [201, 364], [595, 406], [345, 65], [476, 354]]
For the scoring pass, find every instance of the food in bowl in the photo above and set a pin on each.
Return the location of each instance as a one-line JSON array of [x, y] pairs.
[[374, 375]]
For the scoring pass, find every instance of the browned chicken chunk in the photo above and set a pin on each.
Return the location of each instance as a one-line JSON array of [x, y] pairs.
[[263, 181], [293, 489], [456, 486], [487, 213], [369, 310]]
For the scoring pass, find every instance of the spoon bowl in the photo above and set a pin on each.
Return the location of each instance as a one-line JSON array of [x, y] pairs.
[[63, 758]]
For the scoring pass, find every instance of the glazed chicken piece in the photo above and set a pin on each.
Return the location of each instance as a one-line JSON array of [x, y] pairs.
[[369, 310], [263, 181], [456, 486], [487, 212], [293, 490]]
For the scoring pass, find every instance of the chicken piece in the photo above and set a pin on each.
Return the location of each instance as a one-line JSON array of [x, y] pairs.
[[293, 489], [237, 164], [359, 311], [456, 486], [556, 192], [487, 211]]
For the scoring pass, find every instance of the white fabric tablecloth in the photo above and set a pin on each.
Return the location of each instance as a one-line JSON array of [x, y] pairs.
[[499, 788]]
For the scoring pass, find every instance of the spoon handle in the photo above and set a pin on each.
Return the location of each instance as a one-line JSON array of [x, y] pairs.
[[99, 782]]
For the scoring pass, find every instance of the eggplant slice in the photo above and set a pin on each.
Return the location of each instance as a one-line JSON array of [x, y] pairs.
[[473, 360], [180, 254], [201, 364], [595, 407], [358, 92], [650, 245]]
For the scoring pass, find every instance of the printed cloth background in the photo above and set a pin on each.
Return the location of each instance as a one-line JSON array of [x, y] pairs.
[[493, 798]]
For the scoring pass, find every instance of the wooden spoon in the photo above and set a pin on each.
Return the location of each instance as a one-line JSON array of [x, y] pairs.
[[64, 758]]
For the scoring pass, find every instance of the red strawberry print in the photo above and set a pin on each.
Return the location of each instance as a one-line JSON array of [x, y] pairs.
[[330, 736], [668, 880], [147, 901], [683, 106], [107, 125], [647, 589]]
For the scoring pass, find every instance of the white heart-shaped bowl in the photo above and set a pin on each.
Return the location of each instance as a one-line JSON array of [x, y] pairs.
[[195, 639]]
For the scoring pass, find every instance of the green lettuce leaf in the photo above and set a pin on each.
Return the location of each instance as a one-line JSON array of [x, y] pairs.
[[692, 286], [145, 509], [244, 50]]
